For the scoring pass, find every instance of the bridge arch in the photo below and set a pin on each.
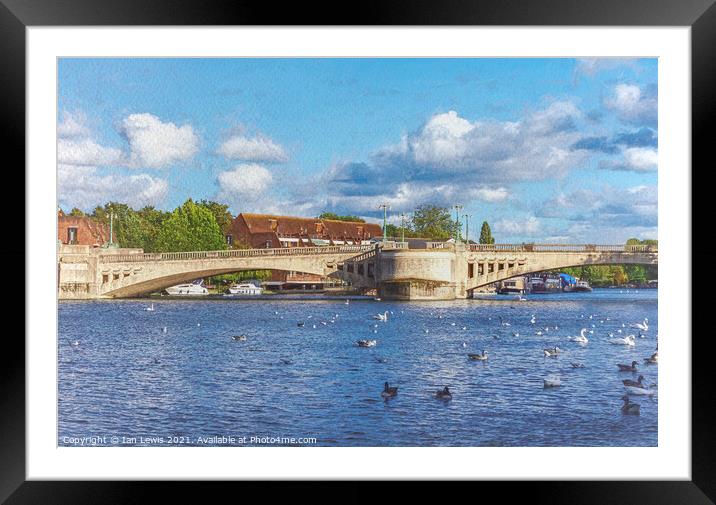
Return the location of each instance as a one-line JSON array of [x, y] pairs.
[[541, 264]]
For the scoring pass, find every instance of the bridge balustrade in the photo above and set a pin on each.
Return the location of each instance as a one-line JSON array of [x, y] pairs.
[[562, 248], [233, 253]]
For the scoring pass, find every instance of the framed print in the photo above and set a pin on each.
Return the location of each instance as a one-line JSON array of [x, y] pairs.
[[425, 246]]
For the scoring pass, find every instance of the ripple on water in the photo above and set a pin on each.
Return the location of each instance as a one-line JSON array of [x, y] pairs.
[[128, 376]]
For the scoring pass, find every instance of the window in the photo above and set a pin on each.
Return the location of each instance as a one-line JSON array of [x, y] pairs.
[[229, 240], [273, 224], [71, 235]]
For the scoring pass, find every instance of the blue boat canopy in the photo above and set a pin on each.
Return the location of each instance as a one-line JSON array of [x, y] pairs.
[[567, 279]]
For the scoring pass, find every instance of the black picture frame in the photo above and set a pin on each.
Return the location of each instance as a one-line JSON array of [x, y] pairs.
[[700, 15]]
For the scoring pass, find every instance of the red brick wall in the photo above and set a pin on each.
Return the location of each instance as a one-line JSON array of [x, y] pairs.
[[89, 231]]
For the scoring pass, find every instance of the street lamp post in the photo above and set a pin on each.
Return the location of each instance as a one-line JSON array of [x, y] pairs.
[[457, 208], [111, 229], [467, 228], [385, 208], [402, 226]]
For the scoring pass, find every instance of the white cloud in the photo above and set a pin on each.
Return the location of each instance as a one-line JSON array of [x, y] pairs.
[[642, 158], [519, 227], [245, 183], [85, 152], [487, 151], [592, 66], [635, 159], [259, 148], [633, 104], [155, 144], [83, 187], [72, 125]]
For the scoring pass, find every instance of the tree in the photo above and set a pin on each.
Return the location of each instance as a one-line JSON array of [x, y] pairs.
[[221, 213], [77, 212], [335, 217], [432, 221], [486, 234], [190, 227]]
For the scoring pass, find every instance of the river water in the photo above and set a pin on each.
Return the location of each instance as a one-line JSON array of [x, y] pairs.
[[175, 376]]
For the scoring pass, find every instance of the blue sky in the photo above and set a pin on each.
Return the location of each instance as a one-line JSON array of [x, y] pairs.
[[558, 150]]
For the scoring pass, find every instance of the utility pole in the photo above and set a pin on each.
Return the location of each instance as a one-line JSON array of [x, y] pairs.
[[467, 228], [457, 208], [385, 208], [402, 226]]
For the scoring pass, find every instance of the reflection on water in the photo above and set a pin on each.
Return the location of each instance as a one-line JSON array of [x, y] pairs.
[[177, 371]]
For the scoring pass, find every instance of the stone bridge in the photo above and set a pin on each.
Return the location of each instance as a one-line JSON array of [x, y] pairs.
[[107, 273], [439, 271], [445, 271]]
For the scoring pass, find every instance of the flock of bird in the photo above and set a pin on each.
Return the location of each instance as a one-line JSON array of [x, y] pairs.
[[638, 387]]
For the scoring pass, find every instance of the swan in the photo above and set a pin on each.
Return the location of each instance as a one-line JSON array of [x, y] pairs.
[[381, 317], [641, 326], [347, 302], [150, 308], [628, 368], [538, 333], [478, 357], [581, 338], [389, 392], [443, 394], [637, 383], [367, 343], [164, 330], [633, 390], [629, 407], [533, 320], [552, 382], [628, 340]]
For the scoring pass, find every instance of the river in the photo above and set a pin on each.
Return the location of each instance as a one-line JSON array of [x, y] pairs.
[[174, 375]]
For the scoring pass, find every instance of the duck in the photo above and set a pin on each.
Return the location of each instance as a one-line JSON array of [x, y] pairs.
[[239, 337], [637, 383], [577, 365], [478, 357], [503, 323], [164, 329], [581, 338], [641, 326], [286, 361], [300, 324], [628, 340], [389, 392], [552, 382], [629, 407], [443, 394], [381, 317], [551, 353], [653, 359], [628, 368], [367, 343]]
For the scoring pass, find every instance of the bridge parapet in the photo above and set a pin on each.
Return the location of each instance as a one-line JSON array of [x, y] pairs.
[[234, 253], [562, 248]]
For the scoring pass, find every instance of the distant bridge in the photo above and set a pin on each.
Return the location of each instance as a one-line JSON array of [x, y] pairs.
[[438, 271]]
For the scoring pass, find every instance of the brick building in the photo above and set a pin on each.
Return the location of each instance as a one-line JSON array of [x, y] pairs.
[[76, 230], [263, 231]]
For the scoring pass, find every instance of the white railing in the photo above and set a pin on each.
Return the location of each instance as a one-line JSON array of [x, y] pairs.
[[234, 253], [562, 248]]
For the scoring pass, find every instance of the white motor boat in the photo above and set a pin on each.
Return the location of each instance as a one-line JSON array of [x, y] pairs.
[[247, 288], [195, 288]]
